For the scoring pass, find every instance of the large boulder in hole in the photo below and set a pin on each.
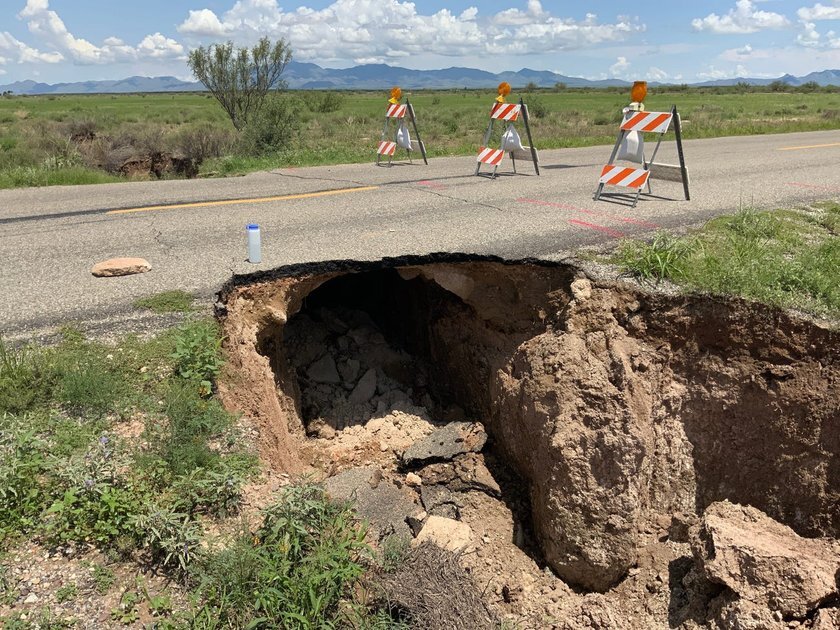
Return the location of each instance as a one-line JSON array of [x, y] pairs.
[[766, 563]]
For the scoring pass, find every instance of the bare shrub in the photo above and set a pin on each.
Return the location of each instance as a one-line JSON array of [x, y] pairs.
[[433, 591], [203, 142]]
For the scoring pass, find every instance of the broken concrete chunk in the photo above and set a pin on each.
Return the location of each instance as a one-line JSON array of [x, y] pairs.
[[332, 321], [446, 443], [376, 500], [464, 473], [440, 501], [446, 533], [120, 267], [324, 371], [349, 371], [764, 562], [365, 388]]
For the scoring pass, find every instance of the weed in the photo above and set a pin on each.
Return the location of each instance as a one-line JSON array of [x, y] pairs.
[[171, 537], [22, 378], [66, 593], [126, 611], [217, 493], [393, 552], [167, 302], [197, 353], [664, 257], [103, 578], [293, 572]]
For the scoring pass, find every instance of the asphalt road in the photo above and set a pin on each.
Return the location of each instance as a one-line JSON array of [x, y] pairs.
[[50, 237]]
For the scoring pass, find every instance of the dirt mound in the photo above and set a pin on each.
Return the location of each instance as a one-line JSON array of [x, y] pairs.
[[613, 415]]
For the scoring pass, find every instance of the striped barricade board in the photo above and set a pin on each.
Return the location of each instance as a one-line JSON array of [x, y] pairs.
[[397, 110], [493, 157], [506, 111], [650, 122], [627, 177], [387, 148]]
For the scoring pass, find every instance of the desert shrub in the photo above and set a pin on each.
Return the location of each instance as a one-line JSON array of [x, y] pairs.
[[293, 572], [201, 142], [274, 128], [537, 107], [325, 102]]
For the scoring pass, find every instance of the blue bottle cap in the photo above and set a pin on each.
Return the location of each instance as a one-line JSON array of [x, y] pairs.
[[253, 226]]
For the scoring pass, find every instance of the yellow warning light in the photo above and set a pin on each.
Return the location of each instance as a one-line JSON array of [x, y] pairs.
[[638, 94], [504, 90], [396, 95]]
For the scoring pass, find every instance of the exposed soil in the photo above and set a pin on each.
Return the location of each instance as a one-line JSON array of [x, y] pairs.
[[614, 418]]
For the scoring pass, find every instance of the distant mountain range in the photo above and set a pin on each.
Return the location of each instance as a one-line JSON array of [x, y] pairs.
[[379, 76]]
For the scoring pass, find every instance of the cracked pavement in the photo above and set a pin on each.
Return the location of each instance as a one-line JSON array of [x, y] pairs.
[[50, 238]]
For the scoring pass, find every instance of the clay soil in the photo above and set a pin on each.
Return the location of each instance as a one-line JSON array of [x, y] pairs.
[[601, 422]]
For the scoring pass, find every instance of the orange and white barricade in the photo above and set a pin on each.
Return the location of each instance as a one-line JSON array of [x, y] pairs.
[[636, 172], [510, 143], [401, 138]]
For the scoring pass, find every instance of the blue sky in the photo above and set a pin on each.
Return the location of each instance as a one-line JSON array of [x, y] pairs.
[[77, 40]]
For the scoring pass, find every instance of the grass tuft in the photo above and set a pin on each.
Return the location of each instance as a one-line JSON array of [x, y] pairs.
[[167, 302]]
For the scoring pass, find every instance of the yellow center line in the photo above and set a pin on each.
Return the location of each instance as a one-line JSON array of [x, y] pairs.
[[233, 202], [810, 146]]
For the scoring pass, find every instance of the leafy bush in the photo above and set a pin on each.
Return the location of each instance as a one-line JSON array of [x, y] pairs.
[[197, 352], [202, 142], [217, 493], [325, 102], [171, 537], [537, 107], [293, 572], [274, 128]]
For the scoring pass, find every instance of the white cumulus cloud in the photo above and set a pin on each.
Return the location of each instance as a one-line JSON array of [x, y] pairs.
[[619, 68], [50, 29], [744, 18], [26, 54], [819, 12], [369, 29]]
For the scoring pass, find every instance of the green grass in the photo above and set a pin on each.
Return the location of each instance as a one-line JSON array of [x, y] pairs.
[[167, 302], [788, 258], [68, 478], [36, 147]]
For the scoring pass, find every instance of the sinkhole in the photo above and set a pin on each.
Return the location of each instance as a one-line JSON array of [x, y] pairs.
[[604, 406]]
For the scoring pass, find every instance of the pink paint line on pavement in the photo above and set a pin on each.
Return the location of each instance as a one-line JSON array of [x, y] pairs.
[[430, 184], [594, 213], [599, 228]]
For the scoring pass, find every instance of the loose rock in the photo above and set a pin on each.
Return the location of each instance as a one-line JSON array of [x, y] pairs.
[[120, 267], [764, 562], [446, 533], [365, 388]]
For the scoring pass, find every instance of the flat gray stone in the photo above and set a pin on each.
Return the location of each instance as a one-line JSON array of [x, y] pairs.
[[365, 388], [446, 443], [349, 371], [376, 500], [324, 371]]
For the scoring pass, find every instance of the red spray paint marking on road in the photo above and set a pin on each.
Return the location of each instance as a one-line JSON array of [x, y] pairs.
[[599, 228], [431, 184], [814, 186], [594, 213]]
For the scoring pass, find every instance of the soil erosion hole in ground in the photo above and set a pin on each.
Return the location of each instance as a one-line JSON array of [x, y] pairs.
[[617, 407]]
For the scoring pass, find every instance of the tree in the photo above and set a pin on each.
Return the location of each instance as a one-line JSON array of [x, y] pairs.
[[240, 78]]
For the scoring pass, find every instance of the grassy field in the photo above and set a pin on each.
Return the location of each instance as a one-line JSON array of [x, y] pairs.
[[89, 139], [788, 258]]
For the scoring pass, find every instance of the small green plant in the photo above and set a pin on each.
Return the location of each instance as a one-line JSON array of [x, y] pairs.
[[171, 537], [103, 578], [664, 257], [22, 378], [160, 605], [325, 102], [197, 354], [66, 593], [126, 611], [167, 302], [393, 552]]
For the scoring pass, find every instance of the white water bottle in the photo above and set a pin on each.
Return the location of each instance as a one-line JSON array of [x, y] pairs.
[[254, 244]]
